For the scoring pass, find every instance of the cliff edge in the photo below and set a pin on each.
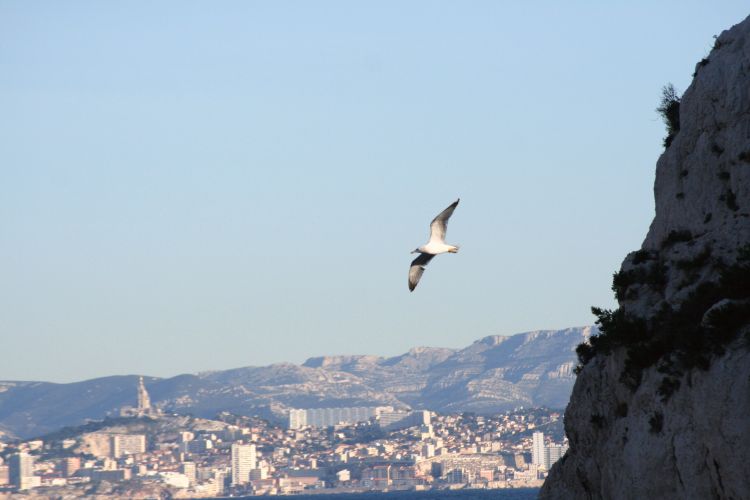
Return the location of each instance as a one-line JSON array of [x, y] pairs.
[[661, 406]]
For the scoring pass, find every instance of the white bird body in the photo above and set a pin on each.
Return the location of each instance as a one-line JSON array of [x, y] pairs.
[[435, 246]]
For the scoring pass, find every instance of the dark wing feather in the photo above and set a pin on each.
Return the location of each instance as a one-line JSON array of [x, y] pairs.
[[439, 224], [417, 268]]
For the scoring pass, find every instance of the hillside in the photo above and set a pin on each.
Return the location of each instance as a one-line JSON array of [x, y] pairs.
[[495, 373]]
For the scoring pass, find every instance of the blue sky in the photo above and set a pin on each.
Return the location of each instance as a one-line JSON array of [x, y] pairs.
[[187, 186]]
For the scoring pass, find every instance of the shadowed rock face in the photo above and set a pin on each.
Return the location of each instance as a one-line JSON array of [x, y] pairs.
[[688, 437], [496, 373]]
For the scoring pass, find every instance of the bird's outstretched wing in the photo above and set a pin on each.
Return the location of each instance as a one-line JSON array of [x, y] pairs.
[[417, 268], [439, 224]]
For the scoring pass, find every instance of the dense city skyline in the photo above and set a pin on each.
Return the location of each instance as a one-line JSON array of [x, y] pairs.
[[146, 452]]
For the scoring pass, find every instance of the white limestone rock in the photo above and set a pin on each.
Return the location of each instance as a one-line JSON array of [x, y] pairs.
[[695, 441]]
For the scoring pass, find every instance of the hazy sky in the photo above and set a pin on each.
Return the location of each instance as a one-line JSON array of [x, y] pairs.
[[188, 186]]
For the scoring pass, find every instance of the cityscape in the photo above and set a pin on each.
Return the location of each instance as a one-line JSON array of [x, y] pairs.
[[147, 452]]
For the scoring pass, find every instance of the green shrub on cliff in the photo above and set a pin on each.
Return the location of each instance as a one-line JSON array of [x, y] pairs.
[[677, 339], [669, 109]]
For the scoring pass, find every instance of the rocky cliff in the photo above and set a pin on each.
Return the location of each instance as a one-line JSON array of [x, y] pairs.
[[661, 406]]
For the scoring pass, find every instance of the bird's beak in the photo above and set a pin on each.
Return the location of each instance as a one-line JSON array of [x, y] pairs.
[[414, 251]]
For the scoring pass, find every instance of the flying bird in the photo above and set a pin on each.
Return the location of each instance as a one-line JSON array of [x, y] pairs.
[[435, 246]]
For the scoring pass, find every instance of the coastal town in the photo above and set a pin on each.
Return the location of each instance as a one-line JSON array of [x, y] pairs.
[[144, 451]]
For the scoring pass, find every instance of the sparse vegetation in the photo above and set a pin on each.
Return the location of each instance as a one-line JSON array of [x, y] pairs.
[[731, 200], [677, 236], [736, 279], [728, 317], [668, 387], [656, 423], [598, 421], [696, 262], [641, 256], [677, 339], [96, 425], [652, 274], [585, 352], [669, 109], [621, 410], [703, 62]]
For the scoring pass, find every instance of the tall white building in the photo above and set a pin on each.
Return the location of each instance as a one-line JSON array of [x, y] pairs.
[[394, 420], [297, 418], [554, 453], [128, 444], [243, 461], [21, 471], [188, 468], [218, 482], [537, 449], [326, 417]]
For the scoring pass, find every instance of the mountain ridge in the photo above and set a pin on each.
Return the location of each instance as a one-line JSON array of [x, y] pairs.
[[494, 373]]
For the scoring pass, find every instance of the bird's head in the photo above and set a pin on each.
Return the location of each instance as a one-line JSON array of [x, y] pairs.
[[416, 250]]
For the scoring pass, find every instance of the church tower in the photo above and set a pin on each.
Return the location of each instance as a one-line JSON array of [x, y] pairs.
[[144, 402]]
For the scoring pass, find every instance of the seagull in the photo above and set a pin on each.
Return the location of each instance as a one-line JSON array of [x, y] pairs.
[[435, 246]]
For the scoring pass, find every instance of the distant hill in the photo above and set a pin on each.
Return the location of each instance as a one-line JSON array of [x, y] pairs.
[[495, 373]]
